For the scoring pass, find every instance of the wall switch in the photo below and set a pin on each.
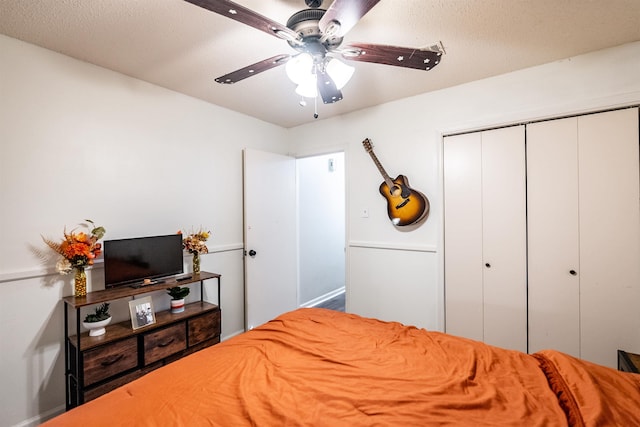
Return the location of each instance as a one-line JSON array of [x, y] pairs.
[[365, 213]]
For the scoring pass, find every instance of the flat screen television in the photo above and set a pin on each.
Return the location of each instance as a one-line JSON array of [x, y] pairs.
[[130, 261]]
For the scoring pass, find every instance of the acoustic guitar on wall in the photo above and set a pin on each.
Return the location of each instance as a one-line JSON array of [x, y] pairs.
[[405, 206]]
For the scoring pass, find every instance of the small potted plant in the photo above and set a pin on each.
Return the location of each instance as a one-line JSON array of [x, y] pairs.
[[95, 322], [178, 295]]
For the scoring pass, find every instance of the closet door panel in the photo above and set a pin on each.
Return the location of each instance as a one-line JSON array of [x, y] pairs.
[[553, 240], [504, 238], [463, 235], [609, 234]]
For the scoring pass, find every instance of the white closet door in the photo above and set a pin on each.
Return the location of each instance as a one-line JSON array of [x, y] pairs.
[[463, 235], [552, 220], [484, 198], [504, 238], [609, 234]]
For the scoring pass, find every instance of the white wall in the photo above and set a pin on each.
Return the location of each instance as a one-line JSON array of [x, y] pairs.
[[407, 138], [78, 141]]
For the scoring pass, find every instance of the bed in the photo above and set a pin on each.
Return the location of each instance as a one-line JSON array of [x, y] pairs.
[[317, 367]]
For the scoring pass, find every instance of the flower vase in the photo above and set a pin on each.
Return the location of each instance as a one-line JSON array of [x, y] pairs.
[[80, 282], [196, 263]]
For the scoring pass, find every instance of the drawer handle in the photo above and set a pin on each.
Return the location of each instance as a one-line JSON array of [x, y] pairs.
[[112, 360], [164, 344]]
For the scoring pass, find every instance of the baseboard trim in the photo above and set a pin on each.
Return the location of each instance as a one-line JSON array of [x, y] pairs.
[[41, 418], [226, 337], [323, 298]]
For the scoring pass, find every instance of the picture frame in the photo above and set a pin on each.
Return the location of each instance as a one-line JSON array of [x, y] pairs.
[[142, 312]]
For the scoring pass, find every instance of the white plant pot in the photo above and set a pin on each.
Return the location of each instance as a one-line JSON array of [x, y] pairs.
[[96, 328], [177, 305]]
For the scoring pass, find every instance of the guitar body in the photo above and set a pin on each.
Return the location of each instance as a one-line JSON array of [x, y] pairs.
[[405, 206]]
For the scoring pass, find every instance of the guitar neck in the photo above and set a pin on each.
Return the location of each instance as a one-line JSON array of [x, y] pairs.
[[387, 178]]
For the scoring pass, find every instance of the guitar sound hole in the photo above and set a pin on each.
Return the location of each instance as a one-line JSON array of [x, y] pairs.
[[403, 203]]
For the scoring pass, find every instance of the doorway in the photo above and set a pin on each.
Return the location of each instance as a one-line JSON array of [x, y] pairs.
[[270, 236], [321, 228]]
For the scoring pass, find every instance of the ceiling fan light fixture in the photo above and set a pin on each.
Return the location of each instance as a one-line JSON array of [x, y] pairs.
[[340, 72], [299, 68], [308, 87]]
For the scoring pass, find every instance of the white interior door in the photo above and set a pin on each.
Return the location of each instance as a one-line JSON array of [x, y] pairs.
[[609, 234], [554, 263], [504, 238], [270, 239], [463, 235]]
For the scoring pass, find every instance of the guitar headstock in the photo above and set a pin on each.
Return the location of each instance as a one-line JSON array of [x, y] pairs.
[[367, 145]]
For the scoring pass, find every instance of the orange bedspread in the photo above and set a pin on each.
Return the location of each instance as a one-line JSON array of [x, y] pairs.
[[315, 367]]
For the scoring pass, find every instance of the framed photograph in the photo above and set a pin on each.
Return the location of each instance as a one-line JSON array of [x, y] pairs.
[[142, 313]]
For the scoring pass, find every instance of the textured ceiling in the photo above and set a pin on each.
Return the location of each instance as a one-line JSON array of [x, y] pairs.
[[183, 47]]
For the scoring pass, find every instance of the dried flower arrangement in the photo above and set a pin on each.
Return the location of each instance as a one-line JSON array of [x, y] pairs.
[[195, 241], [78, 249]]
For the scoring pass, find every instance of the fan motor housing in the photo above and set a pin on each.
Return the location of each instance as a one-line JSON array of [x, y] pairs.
[[305, 23]]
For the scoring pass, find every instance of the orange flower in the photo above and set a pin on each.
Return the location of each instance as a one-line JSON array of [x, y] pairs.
[[80, 237], [76, 249]]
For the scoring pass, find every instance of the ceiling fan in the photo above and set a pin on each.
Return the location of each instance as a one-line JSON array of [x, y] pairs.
[[317, 34]]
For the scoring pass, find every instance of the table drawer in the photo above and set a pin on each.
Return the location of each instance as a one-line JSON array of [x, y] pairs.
[[203, 328], [164, 342], [111, 359]]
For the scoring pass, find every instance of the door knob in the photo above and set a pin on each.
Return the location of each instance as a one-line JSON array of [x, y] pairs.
[[487, 265], [252, 253], [572, 272]]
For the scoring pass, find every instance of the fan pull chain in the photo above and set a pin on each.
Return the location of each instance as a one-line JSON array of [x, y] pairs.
[[303, 103], [315, 107]]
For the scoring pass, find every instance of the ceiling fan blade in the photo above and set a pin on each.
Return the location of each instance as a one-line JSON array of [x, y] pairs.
[[342, 15], [247, 16], [327, 87], [253, 69], [420, 59]]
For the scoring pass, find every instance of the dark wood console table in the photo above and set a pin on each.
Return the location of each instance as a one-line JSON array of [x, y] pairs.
[[628, 362], [96, 365]]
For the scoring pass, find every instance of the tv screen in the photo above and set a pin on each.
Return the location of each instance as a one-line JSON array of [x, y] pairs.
[[130, 261]]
